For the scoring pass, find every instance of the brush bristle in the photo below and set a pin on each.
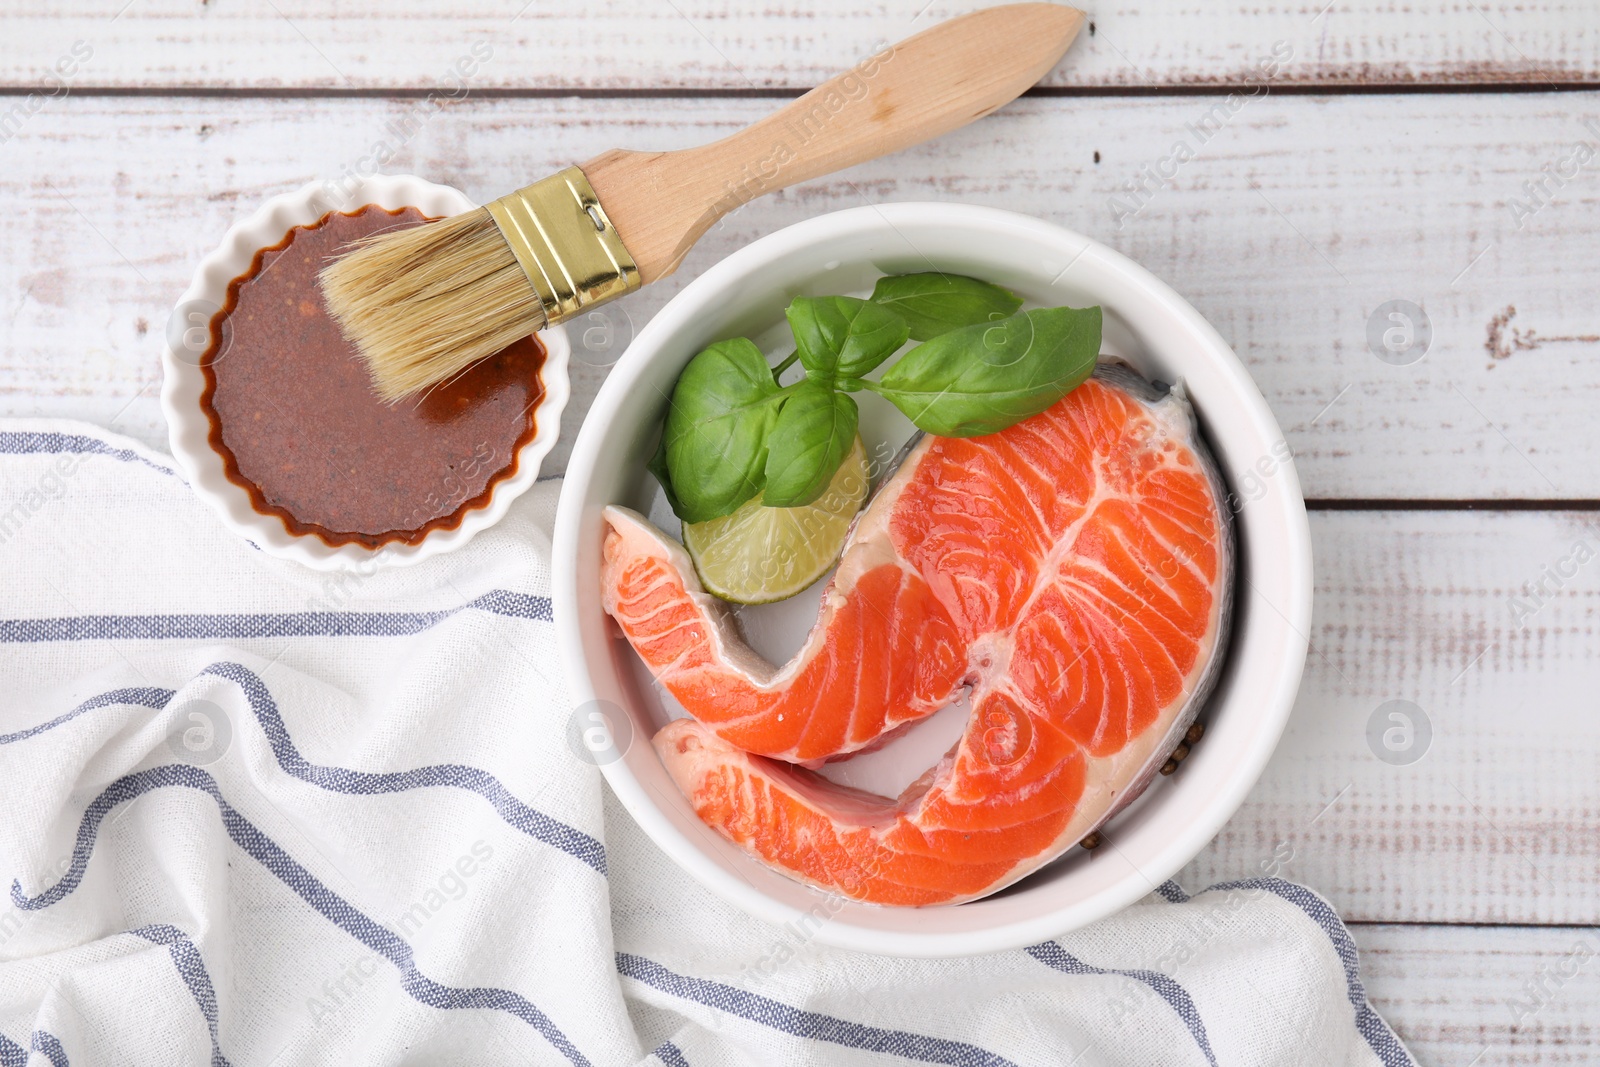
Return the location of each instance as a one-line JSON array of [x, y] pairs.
[[423, 304]]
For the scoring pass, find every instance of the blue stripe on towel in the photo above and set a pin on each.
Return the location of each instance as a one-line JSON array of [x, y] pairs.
[[192, 969], [1052, 954], [50, 1048], [807, 1024], [14, 1055], [534, 823], [1368, 1022], [670, 1054], [305, 885], [244, 626], [143, 697], [33, 442]]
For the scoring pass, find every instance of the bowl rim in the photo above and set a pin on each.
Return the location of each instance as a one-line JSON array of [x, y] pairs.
[[183, 381], [1293, 603]]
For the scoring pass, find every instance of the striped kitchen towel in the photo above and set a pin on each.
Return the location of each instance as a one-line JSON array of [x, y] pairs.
[[256, 815]]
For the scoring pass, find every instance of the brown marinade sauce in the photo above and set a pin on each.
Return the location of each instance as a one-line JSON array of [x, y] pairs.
[[294, 417]]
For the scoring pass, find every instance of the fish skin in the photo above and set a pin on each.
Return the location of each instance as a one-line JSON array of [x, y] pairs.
[[1081, 682]]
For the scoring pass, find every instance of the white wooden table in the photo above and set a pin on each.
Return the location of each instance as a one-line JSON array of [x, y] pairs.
[[1385, 161]]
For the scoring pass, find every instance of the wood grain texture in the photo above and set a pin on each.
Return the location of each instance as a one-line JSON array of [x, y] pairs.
[[651, 44], [1294, 222], [1485, 621], [1486, 996]]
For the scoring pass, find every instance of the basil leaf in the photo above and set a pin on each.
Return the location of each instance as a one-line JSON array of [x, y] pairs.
[[813, 433], [722, 412], [933, 304], [981, 379], [840, 336]]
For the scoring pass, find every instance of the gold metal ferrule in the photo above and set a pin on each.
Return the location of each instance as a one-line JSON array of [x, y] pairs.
[[565, 244]]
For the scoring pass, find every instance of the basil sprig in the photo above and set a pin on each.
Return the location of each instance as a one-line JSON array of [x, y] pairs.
[[723, 410], [981, 379], [815, 428], [842, 337], [733, 431], [932, 304]]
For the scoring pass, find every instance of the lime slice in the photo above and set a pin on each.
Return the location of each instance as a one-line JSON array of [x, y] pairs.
[[759, 554]]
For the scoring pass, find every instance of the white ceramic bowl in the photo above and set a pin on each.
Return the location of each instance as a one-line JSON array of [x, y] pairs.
[[1147, 324], [183, 382]]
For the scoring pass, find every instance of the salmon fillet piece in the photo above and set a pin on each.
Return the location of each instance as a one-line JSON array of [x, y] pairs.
[[1074, 572]]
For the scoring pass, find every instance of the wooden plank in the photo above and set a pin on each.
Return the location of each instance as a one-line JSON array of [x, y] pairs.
[[1476, 996], [1485, 622], [647, 44], [1296, 220]]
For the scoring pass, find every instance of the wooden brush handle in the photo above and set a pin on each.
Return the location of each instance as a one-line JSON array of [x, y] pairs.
[[944, 77]]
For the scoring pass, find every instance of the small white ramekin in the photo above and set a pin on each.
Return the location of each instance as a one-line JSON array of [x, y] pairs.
[[183, 382], [1147, 324]]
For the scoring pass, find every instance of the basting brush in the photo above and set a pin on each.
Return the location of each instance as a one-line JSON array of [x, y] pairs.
[[424, 303]]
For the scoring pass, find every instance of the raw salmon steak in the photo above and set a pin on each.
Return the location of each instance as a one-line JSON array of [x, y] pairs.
[[1073, 573]]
